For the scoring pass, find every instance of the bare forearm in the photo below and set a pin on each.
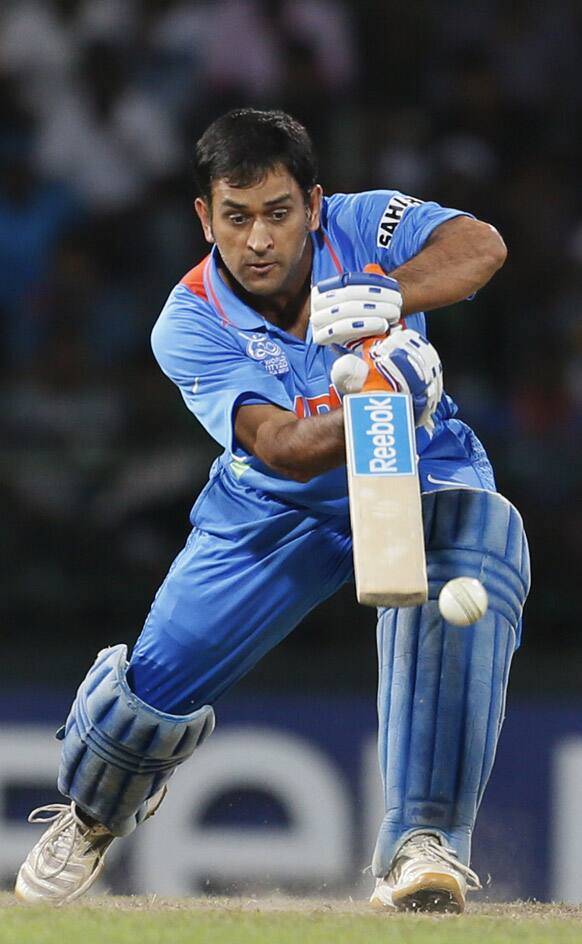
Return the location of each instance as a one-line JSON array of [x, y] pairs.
[[303, 448], [459, 258]]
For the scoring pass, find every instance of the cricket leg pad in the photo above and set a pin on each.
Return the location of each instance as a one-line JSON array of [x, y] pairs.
[[441, 696], [118, 752]]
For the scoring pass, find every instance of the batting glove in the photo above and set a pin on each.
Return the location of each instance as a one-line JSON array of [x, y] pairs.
[[352, 306], [405, 362]]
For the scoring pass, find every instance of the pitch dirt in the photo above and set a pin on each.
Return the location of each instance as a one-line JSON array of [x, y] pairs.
[[279, 920], [285, 904]]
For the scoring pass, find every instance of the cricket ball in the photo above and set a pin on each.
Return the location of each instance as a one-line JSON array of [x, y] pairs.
[[463, 601]]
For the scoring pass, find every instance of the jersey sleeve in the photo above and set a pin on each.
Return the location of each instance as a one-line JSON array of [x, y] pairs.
[[211, 370], [386, 226]]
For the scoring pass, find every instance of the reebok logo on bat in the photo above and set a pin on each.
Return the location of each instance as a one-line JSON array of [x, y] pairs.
[[381, 434], [391, 218], [381, 430]]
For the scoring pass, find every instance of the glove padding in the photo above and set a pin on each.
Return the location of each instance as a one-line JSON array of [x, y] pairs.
[[404, 361], [352, 306]]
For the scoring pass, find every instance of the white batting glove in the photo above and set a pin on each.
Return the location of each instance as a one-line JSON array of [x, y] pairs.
[[407, 361], [352, 306], [412, 365], [349, 373]]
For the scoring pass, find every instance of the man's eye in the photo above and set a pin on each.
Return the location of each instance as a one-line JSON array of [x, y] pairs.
[[237, 218], [279, 215]]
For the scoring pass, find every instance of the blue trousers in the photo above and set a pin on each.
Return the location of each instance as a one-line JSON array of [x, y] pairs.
[[251, 570]]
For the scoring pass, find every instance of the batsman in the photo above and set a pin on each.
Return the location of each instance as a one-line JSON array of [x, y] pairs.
[[250, 336]]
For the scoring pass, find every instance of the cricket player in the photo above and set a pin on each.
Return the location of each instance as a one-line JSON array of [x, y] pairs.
[[249, 336]]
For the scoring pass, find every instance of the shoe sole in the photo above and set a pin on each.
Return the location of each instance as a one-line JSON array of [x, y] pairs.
[[433, 892]]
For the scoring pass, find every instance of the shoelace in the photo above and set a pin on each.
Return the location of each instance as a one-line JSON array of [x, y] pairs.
[[53, 841], [430, 847]]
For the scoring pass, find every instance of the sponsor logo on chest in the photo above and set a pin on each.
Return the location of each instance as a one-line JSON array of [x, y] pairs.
[[262, 348], [391, 218]]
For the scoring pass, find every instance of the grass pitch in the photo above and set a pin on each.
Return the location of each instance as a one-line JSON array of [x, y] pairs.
[[110, 920]]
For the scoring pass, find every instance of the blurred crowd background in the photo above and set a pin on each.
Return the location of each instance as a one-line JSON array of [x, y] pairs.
[[476, 105]]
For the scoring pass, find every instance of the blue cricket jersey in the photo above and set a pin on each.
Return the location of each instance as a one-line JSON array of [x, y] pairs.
[[222, 353]]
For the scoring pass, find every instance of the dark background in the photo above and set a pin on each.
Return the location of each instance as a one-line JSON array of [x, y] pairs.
[[476, 105]]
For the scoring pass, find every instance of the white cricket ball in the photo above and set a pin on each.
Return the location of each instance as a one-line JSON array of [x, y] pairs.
[[463, 601]]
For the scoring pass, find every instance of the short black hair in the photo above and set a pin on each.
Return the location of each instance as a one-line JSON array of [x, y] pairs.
[[243, 145]]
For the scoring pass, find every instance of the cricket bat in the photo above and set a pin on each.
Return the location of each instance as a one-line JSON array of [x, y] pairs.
[[384, 495]]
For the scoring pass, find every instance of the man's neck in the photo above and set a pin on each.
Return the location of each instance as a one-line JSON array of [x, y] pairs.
[[288, 309]]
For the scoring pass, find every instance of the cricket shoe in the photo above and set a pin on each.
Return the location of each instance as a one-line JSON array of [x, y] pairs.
[[69, 857], [66, 860], [426, 876]]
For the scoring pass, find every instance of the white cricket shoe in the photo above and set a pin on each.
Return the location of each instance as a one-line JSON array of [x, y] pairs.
[[426, 876], [66, 860]]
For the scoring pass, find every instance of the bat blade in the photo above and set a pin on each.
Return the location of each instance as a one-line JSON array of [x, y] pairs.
[[385, 506]]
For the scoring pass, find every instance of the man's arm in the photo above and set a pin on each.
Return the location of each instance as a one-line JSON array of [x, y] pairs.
[[460, 257], [297, 448]]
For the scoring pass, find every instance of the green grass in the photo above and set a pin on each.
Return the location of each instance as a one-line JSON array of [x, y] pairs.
[[146, 921]]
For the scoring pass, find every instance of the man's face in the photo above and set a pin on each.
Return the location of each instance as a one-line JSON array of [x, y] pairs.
[[262, 231]]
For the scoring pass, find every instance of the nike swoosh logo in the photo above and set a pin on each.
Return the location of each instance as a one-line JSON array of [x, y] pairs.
[[430, 478]]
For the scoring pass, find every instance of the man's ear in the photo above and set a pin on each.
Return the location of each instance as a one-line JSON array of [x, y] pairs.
[[314, 208], [203, 213]]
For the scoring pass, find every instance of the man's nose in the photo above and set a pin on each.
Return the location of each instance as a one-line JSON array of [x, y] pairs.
[[260, 239]]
